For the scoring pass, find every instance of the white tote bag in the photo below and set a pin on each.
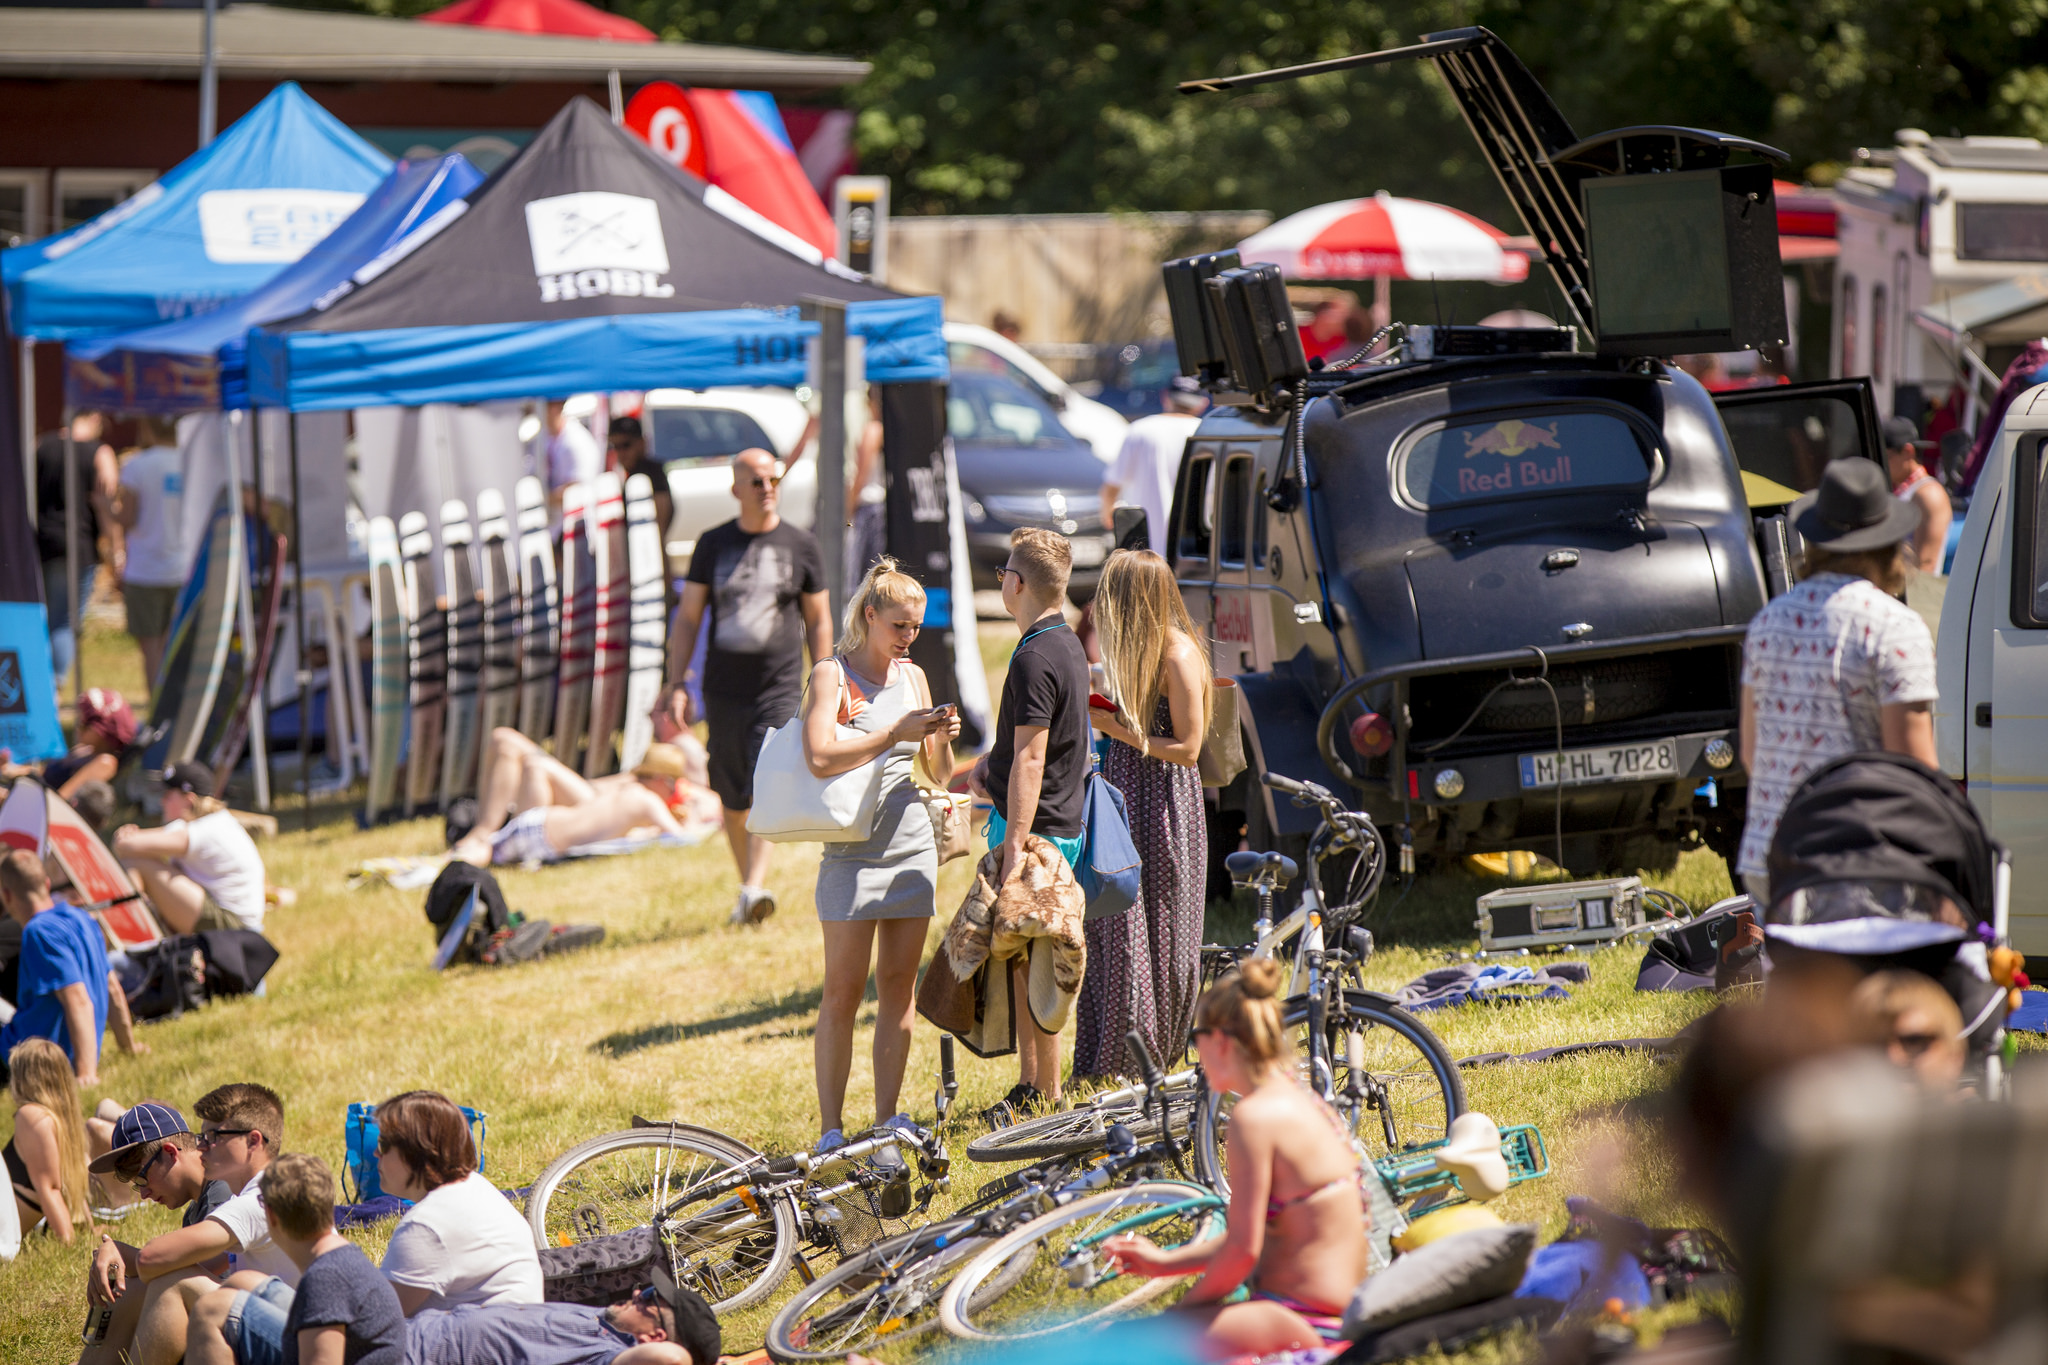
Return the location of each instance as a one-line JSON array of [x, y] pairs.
[[794, 806]]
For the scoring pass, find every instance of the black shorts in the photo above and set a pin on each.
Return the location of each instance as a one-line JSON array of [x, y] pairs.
[[737, 726]]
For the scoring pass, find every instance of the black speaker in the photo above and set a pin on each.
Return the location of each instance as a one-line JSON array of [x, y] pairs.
[[1196, 340], [1257, 322]]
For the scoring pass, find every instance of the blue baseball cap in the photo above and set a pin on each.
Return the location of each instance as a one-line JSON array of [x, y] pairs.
[[146, 1122]]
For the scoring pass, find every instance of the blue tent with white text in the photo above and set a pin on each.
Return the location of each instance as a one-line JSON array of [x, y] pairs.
[[219, 224]]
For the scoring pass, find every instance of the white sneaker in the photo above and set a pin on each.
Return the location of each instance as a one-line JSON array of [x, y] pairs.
[[756, 904], [739, 910]]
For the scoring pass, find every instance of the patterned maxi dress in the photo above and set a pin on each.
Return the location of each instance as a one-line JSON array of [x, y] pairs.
[[1145, 964]]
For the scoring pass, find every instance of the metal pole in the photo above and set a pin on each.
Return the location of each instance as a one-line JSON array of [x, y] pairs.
[[209, 85], [830, 315], [305, 678], [28, 424], [71, 593], [618, 96]]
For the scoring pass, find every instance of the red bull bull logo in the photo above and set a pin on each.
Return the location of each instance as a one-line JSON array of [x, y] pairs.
[[1507, 439], [1511, 437]]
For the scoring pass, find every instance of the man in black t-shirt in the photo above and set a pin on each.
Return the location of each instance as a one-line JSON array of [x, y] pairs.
[[1037, 771], [627, 443], [95, 478], [763, 583]]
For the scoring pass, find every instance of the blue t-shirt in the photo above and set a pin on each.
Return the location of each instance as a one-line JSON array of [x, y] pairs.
[[60, 947], [513, 1334]]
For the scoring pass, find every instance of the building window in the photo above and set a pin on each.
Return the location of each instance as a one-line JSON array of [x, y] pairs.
[[84, 195], [22, 218]]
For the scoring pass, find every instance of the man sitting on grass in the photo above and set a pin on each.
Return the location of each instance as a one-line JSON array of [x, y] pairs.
[[344, 1310], [240, 1127], [554, 817], [64, 990], [201, 870], [664, 1324]]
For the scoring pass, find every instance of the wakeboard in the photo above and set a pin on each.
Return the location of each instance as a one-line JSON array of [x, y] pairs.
[[501, 618], [167, 689], [267, 580], [426, 664], [614, 601], [189, 694], [647, 628], [537, 622], [579, 626], [387, 670], [465, 654]]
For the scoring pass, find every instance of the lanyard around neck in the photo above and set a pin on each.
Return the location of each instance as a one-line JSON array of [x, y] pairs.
[[1058, 625]]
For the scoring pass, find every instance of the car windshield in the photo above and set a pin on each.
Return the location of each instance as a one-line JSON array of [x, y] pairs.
[[702, 434], [1500, 457], [967, 357], [983, 409]]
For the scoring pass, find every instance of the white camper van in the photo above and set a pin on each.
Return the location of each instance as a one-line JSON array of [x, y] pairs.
[[1991, 724]]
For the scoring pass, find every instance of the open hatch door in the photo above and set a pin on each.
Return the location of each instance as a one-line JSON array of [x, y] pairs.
[[1783, 437]]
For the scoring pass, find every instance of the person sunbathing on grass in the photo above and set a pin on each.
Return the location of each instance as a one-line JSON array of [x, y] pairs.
[[518, 775], [544, 828], [1296, 1235]]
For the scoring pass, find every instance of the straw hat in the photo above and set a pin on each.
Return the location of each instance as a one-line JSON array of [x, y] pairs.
[[661, 760]]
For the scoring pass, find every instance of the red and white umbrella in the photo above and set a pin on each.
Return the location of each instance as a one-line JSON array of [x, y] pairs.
[[1401, 239]]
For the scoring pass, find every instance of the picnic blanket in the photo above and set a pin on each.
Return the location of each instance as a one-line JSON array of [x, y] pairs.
[[1468, 983]]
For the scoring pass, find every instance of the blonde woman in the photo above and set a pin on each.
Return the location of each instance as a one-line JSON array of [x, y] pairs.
[[45, 1158], [1143, 965], [875, 897], [1296, 1235]]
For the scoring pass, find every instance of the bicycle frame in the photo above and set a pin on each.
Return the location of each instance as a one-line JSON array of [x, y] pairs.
[[758, 1184]]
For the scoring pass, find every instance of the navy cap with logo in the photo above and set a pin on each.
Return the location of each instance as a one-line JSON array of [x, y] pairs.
[[146, 1122], [191, 777]]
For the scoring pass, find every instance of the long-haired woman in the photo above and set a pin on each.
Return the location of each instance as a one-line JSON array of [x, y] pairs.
[[45, 1158], [1143, 965], [1296, 1236], [875, 897]]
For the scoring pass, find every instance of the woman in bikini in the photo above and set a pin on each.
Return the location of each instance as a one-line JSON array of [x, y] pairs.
[[1296, 1243], [45, 1158]]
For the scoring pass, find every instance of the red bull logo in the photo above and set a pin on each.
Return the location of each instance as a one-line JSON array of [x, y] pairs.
[[1511, 437]]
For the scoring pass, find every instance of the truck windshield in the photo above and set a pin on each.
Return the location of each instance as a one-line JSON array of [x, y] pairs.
[[1514, 456]]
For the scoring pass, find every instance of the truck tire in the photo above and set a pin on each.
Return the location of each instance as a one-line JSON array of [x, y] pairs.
[[1622, 689], [1625, 855]]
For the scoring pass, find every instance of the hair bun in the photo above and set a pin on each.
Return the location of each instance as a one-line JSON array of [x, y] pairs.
[[1260, 977]]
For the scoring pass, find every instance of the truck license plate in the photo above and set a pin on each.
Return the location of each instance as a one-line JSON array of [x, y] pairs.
[[1649, 760]]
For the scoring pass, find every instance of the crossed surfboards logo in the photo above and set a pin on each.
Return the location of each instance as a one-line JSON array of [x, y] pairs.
[[594, 243]]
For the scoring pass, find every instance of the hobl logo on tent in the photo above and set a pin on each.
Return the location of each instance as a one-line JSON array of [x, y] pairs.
[[269, 227], [594, 243]]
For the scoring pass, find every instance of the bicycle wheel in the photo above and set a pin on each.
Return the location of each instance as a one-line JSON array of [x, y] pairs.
[[728, 1246], [1048, 1276], [883, 1296], [1080, 1130], [1413, 1089]]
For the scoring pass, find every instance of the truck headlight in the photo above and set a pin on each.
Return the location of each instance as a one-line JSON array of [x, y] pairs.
[[1719, 753], [1450, 783]]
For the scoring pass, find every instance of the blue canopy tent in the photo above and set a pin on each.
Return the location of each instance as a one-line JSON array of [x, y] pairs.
[[198, 362], [221, 223], [216, 226]]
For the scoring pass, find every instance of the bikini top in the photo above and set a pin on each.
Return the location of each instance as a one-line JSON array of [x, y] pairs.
[[1357, 1178]]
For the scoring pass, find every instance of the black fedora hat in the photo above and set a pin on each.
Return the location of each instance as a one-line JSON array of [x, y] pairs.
[[1853, 509]]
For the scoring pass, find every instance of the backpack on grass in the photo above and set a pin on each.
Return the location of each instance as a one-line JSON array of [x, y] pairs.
[[494, 934]]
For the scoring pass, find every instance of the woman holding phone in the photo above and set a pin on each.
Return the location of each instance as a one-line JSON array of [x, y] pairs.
[[875, 898]]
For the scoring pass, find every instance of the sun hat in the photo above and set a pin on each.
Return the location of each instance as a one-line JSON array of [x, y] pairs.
[[660, 760], [1853, 509], [697, 1329], [1473, 1156], [145, 1123]]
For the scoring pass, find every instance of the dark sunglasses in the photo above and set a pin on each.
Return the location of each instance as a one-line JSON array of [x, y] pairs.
[[140, 1177], [764, 483], [649, 1299], [213, 1137], [1007, 569]]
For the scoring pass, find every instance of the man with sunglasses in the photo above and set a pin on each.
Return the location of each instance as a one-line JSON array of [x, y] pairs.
[[240, 1127], [763, 583], [663, 1324]]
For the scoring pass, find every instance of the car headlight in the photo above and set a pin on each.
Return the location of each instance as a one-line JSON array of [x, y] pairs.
[[1450, 783], [975, 511]]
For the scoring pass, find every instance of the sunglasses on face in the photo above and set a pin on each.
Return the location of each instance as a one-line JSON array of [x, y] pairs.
[[1006, 569], [140, 1178], [761, 483], [213, 1137], [649, 1300]]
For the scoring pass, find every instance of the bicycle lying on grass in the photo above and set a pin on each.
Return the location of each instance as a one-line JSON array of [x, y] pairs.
[[736, 1221], [891, 1292]]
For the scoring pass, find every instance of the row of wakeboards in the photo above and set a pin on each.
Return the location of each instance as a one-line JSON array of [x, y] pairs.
[[571, 658]]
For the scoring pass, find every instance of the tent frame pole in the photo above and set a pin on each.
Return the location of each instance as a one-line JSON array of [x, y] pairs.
[[259, 695], [72, 614], [28, 424], [830, 523], [305, 672]]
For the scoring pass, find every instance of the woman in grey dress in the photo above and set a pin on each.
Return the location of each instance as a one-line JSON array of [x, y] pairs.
[[875, 897]]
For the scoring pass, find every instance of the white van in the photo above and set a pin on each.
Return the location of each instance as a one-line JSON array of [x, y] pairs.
[[1991, 658]]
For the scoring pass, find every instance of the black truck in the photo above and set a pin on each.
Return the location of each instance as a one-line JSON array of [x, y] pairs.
[[1498, 580]]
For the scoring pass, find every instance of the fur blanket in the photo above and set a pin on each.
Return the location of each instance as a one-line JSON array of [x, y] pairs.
[[1036, 916]]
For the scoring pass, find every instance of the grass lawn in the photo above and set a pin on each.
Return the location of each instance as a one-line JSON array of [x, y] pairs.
[[676, 1015]]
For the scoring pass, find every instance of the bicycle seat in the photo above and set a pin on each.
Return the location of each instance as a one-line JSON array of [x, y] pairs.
[[1247, 867]]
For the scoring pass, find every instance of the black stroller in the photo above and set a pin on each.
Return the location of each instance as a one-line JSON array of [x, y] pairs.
[[1883, 860]]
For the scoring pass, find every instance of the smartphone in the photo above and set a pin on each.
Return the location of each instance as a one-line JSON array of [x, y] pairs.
[[1100, 702]]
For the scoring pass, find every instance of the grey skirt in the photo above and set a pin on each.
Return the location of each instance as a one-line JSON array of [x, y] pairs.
[[893, 873]]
